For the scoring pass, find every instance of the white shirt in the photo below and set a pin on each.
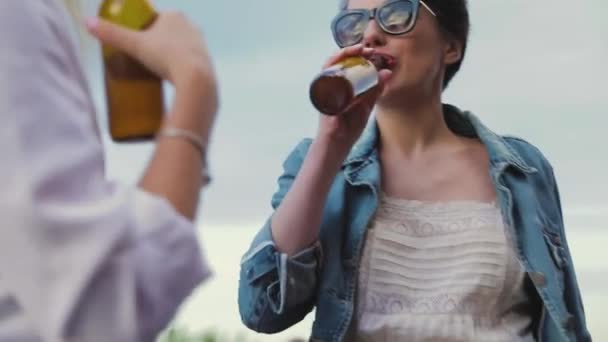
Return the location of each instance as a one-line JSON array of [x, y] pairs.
[[440, 272], [82, 258]]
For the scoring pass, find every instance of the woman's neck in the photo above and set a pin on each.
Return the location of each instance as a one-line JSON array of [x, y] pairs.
[[411, 130]]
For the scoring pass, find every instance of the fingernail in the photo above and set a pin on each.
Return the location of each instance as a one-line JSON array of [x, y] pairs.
[[91, 23]]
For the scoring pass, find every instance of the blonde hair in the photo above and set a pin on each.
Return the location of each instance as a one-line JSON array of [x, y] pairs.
[[74, 7]]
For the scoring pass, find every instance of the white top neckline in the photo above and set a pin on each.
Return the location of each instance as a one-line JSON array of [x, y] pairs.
[[441, 271]]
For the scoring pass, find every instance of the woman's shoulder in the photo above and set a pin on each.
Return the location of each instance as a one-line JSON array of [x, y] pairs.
[[303, 146], [529, 153], [34, 13], [32, 26], [298, 153]]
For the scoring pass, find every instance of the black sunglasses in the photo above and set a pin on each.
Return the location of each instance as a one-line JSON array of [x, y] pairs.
[[395, 17]]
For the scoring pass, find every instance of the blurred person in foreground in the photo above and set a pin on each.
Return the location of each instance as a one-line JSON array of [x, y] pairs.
[[84, 258]]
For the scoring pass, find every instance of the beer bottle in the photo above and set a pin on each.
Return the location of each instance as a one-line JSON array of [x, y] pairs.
[[336, 87], [134, 94]]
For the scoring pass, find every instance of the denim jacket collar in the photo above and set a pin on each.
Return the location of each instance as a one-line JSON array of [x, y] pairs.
[[501, 154]]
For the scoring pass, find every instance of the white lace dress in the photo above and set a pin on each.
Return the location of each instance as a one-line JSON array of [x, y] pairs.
[[440, 272]]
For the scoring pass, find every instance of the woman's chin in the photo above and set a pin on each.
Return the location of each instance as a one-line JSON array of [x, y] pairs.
[[388, 88], [389, 92], [394, 95]]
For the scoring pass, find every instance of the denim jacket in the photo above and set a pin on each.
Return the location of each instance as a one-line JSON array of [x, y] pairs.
[[277, 291]]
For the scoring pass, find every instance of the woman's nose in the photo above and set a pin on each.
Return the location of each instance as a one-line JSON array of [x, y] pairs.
[[373, 36]]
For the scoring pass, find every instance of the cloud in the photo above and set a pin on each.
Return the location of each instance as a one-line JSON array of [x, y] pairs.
[[532, 70]]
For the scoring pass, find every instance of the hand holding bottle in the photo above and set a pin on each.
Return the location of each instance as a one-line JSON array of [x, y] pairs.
[[171, 47], [174, 49], [341, 130]]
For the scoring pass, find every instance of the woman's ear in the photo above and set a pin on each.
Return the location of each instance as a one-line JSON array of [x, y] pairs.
[[452, 52]]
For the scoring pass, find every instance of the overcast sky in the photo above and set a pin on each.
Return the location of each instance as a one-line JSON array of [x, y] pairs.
[[535, 69]]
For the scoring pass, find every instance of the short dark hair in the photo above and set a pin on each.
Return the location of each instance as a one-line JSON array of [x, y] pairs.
[[453, 18]]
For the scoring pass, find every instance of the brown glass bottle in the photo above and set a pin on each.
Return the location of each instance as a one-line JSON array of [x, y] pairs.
[[336, 87], [134, 94]]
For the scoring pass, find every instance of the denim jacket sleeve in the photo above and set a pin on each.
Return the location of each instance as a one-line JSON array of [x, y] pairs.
[[277, 291], [573, 296], [572, 293]]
